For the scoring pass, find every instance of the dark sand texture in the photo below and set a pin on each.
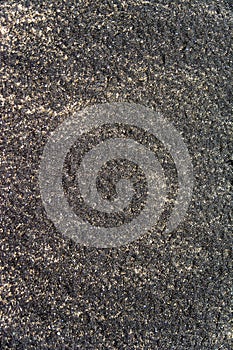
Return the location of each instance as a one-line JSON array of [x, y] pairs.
[[161, 292]]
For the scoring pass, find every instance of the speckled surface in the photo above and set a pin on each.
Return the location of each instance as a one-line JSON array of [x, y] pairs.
[[160, 292]]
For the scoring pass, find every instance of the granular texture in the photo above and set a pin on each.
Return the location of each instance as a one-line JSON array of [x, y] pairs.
[[161, 291]]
